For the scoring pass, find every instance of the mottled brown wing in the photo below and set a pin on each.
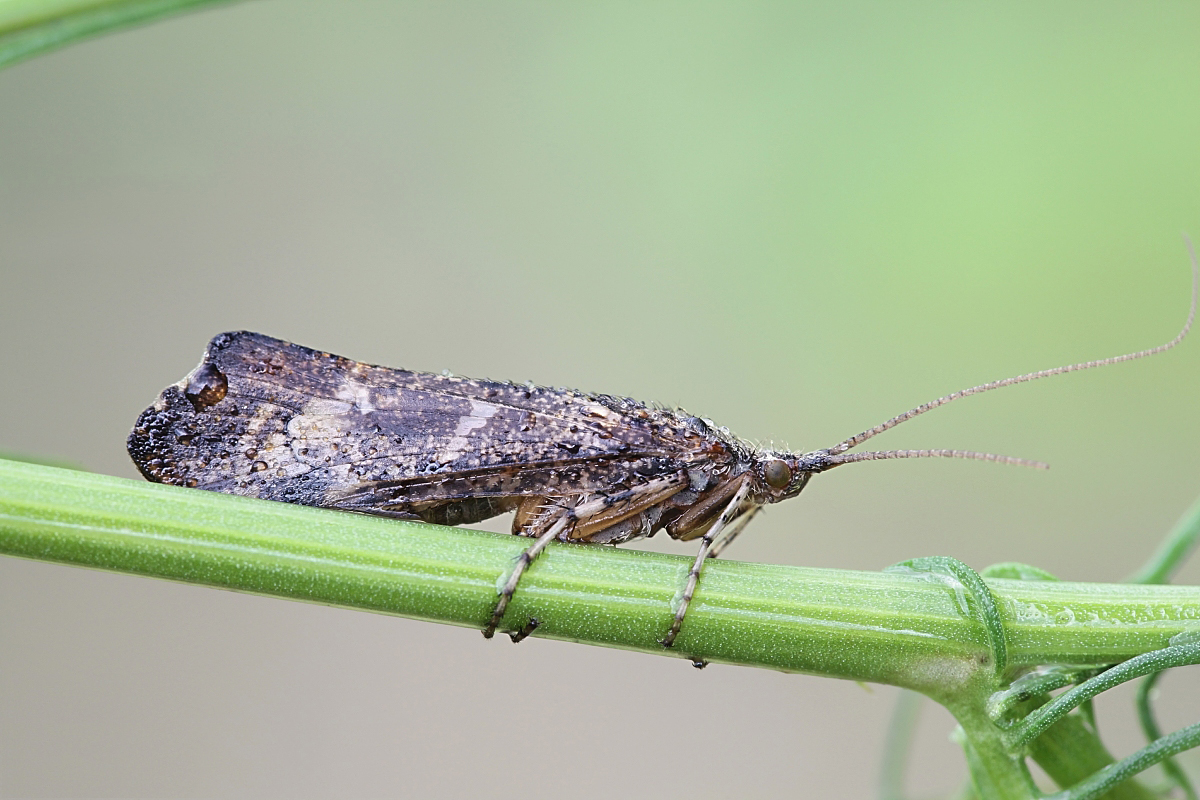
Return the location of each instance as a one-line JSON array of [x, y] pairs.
[[265, 418]]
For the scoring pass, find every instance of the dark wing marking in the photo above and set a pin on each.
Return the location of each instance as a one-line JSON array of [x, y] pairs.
[[266, 418]]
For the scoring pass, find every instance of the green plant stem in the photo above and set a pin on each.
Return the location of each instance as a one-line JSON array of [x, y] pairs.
[[1173, 551], [1040, 720], [1167, 558], [972, 588], [1071, 752], [996, 772], [31, 27], [1115, 774], [1175, 773], [1004, 704], [900, 629], [897, 748]]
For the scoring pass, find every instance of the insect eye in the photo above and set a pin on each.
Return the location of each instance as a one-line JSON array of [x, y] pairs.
[[777, 473]]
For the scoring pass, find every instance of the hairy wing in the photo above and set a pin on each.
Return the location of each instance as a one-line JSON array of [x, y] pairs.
[[266, 418]]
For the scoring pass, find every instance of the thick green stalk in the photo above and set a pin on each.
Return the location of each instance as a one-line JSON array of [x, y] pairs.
[[904, 629]]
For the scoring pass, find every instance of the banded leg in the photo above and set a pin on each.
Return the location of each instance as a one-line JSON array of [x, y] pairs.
[[587, 519], [523, 561], [526, 629], [734, 532], [742, 522], [693, 578]]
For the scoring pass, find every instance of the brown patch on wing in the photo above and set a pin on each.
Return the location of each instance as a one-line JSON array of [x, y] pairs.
[[266, 418]]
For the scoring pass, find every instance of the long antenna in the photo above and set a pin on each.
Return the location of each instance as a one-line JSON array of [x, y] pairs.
[[833, 457]]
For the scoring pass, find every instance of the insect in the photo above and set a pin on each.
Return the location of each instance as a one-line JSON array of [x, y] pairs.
[[265, 418]]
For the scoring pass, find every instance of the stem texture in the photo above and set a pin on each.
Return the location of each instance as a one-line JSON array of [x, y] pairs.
[[906, 629]]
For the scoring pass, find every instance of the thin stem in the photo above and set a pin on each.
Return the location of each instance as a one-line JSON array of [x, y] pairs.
[[1174, 772], [1004, 703], [1105, 779], [32, 27], [1071, 752], [1173, 551], [896, 749], [1036, 723]]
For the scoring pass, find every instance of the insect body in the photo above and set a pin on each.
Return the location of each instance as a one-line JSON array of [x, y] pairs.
[[265, 418]]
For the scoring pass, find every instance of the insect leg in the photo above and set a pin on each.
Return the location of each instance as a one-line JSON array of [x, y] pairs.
[[701, 515], [706, 541], [586, 519], [526, 629], [734, 532], [523, 561], [598, 514]]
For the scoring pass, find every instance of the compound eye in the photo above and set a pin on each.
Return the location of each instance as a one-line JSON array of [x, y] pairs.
[[777, 473]]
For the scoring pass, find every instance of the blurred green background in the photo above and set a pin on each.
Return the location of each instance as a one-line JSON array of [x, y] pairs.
[[796, 219]]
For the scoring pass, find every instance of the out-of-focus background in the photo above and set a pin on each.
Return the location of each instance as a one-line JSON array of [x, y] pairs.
[[796, 219]]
